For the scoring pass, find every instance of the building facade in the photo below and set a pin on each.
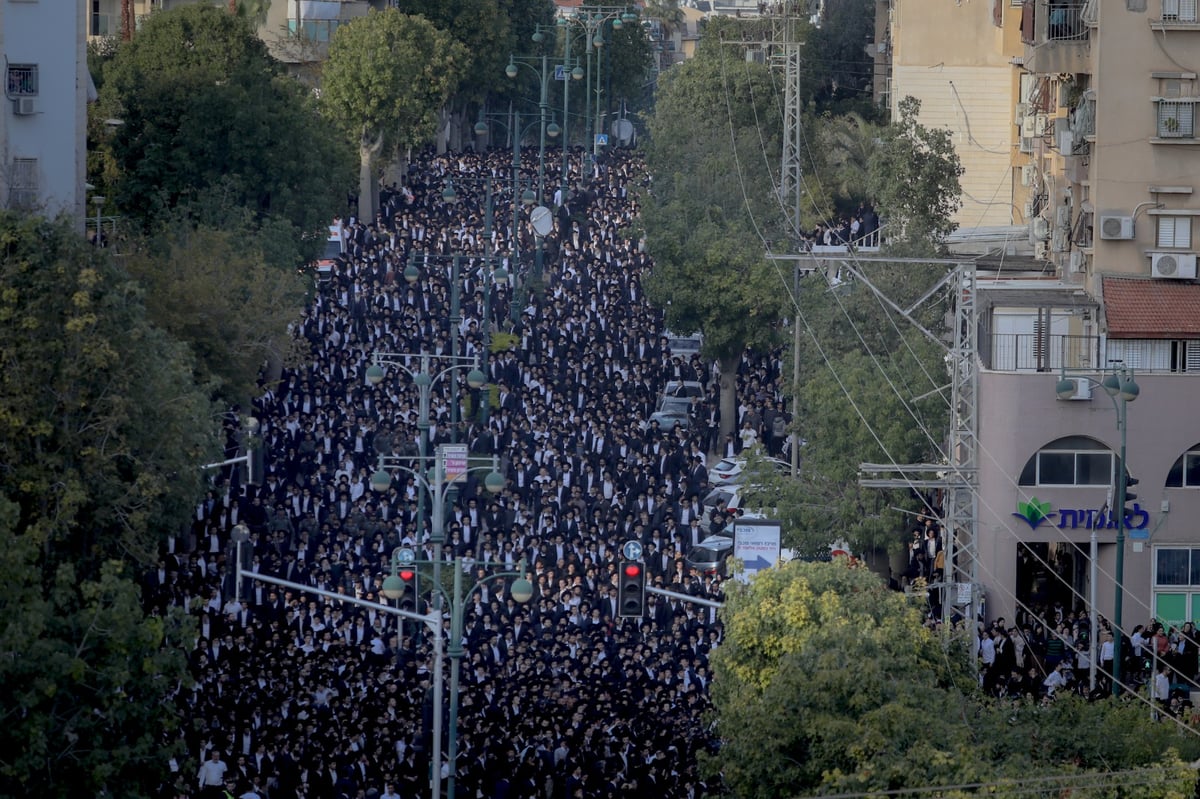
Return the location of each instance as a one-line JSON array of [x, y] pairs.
[[1109, 114], [961, 60], [43, 126]]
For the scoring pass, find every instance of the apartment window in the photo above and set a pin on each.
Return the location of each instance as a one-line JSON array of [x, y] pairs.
[[1070, 461], [22, 80], [1179, 10], [1185, 473], [1176, 118], [1177, 570], [1174, 232], [23, 191]]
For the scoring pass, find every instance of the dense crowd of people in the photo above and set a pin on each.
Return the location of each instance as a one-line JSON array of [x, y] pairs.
[[299, 696]]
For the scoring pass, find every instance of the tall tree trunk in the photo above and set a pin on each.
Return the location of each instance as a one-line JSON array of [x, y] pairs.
[[728, 367], [126, 20], [368, 151]]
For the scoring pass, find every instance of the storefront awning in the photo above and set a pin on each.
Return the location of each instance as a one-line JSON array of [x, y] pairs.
[[1148, 308]]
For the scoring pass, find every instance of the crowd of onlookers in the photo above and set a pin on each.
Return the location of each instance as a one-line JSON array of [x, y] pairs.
[[300, 696]]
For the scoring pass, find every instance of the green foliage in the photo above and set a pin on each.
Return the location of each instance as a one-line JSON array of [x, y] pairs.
[[86, 677], [484, 30], [713, 134], [502, 342], [101, 425], [213, 129], [914, 178], [388, 74], [827, 683], [214, 290]]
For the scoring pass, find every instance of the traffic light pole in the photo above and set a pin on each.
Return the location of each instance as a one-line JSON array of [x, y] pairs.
[[709, 603]]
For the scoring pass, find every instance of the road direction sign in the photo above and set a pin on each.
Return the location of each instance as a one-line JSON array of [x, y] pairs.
[[756, 545], [405, 556], [632, 550], [454, 459]]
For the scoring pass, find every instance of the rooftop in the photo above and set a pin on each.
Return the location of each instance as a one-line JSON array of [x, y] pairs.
[[1151, 308]]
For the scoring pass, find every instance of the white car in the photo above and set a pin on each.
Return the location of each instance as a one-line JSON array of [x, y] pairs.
[[729, 470]]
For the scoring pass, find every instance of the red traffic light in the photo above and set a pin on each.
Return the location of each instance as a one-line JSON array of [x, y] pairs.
[[407, 575], [632, 570]]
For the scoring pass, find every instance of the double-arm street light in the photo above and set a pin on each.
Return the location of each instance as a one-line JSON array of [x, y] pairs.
[[592, 19], [393, 587], [1122, 389]]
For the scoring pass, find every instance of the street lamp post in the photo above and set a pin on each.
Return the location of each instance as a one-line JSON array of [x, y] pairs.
[[1121, 389], [376, 372], [438, 489]]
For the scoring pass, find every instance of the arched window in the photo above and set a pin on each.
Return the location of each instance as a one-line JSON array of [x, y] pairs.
[[1186, 471], [1070, 461]]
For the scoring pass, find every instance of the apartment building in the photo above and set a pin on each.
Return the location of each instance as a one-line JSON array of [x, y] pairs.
[[962, 61], [1105, 109], [43, 125]]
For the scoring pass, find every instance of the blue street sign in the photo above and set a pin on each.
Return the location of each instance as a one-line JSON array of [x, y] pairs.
[[559, 72], [601, 139]]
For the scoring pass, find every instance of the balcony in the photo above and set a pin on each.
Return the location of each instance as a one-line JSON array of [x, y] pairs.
[[1055, 36], [1037, 352]]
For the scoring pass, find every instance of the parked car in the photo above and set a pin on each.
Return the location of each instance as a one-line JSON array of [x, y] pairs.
[[730, 470], [710, 555], [335, 247], [684, 388], [671, 411], [684, 346]]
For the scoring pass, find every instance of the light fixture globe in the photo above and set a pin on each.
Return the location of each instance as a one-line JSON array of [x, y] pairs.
[[511, 70], [500, 275], [252, 425], [552, 130], [381, 481], [494, 482], [617, 24], [411, 274], [577, 73], [561, 22], [476, 378], [521, 590], [528, 197], [449, 194], [375, 374], [1065, 389], [423, 380], [481, 128], [393, 587], [1130, 390], [630, 16], [1111, 385], [538, 36], [240, 534]]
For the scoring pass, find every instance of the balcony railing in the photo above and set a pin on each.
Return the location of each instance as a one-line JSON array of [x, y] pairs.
[[1037, 352], [1052, 20]]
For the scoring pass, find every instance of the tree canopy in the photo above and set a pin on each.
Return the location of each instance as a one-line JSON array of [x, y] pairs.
[[715, 136], [387, 76], [827, 683], [102, 431], [211, 127]]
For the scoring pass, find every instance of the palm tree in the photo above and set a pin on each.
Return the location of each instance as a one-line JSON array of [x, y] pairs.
[[667, 12]]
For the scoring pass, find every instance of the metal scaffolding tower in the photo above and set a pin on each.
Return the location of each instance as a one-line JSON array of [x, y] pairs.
[[785, 55]]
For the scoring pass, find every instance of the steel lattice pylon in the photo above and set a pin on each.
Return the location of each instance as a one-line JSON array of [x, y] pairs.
[[786, 56]]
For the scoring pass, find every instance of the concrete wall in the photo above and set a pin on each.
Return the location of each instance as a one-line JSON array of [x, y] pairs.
[[957, 61], [1018, 414], [42, 34]]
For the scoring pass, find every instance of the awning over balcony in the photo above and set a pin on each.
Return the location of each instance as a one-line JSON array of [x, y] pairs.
[[1148, 308]]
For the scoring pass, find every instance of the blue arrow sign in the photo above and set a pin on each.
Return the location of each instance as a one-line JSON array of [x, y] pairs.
[[758, 564]]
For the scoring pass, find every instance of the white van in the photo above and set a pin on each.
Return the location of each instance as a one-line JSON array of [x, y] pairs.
[[335, 246]]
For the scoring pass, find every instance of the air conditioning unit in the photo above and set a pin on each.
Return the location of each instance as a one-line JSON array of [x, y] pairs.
[[1173, 265], [1028, 174], [1021, 111], [1083, 389], [1039, 229], [1028, 127], [24, 106], [1116, 227]]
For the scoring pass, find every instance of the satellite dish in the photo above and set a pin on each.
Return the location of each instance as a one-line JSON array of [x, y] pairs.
[[542, 220], [622, 129]]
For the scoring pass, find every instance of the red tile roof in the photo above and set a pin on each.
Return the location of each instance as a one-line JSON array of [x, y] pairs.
[[1147, 308]]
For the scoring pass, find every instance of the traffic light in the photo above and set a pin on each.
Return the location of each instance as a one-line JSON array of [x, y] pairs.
[[631, 591], [1130, 481], [402, 586]]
